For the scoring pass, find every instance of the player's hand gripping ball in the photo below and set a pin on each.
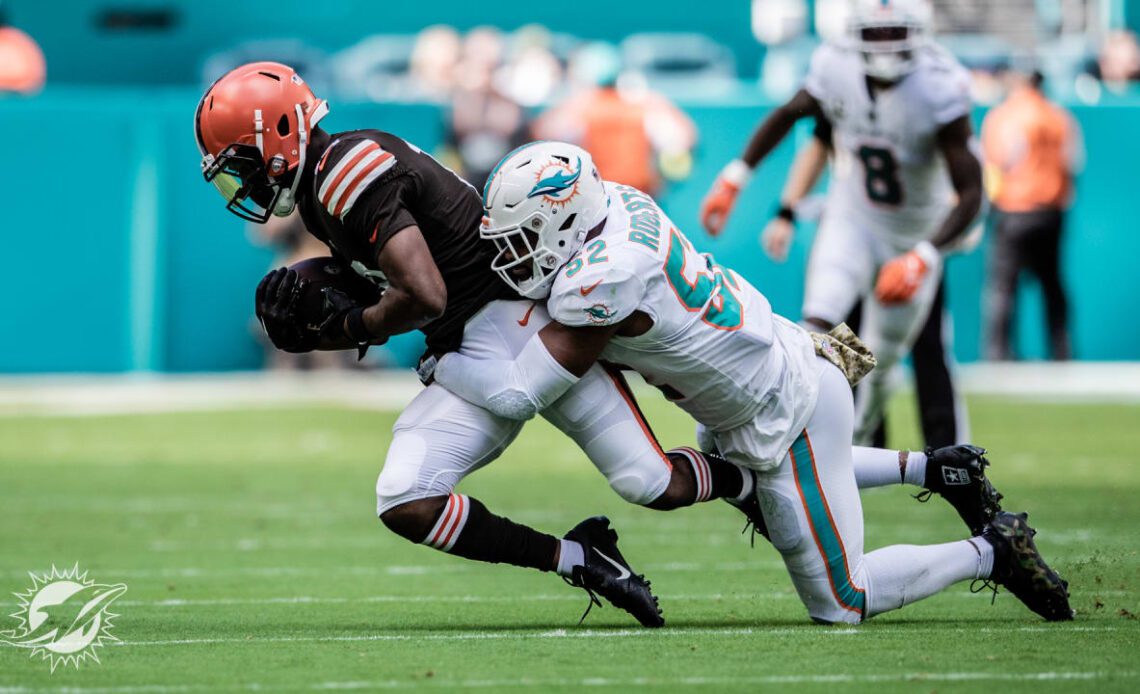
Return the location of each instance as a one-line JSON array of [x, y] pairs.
[[296, 305]]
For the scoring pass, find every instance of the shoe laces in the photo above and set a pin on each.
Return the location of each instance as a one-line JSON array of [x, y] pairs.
[[749, 525], [593, 598], [980, 585]]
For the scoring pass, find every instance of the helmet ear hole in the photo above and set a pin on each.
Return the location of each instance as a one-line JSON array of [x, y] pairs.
[[569, 222], [283, 125]]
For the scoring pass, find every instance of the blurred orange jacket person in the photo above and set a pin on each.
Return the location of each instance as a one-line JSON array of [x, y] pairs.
[[623, 133], [1032, 149], [22, 67]]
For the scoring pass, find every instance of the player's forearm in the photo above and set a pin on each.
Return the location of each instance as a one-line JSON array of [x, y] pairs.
[[777, 126], [805, 173], [517, 389], [960, 220], [398, 312], [962, 162]]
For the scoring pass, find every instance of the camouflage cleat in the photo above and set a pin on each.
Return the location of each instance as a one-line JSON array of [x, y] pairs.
[[607, 573], [958, 474], [1020, 568]]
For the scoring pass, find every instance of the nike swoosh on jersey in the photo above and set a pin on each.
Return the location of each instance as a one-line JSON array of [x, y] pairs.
[[587, 291], [526, 318], [623, 571]]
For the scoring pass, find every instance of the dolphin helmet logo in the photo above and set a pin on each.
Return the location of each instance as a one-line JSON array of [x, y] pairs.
[[557, 182], [64, 617]]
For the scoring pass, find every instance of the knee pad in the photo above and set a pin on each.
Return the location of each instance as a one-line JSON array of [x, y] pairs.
[[405, 476], [640, 486], [781, 515]]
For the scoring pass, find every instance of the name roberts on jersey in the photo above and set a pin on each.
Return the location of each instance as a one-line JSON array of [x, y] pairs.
[[715, 347]]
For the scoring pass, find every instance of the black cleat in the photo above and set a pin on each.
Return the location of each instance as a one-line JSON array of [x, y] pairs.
[[607, 573], [958, 474], [1020, 568], [750, 507]]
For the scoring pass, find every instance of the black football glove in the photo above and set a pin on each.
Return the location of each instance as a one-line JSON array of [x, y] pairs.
[[337, 304], [276, 306], [340, 311]]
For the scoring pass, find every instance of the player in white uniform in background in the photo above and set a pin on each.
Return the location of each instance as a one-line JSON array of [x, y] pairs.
[[629, 288], [906, 184]]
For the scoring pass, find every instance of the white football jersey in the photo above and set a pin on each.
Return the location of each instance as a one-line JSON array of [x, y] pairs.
[[715, 348], [889, 174]]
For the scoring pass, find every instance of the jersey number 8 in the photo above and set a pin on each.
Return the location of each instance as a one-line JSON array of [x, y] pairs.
[[883, 184]]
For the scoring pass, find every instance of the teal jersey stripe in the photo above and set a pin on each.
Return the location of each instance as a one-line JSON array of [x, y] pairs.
[[823, 527]]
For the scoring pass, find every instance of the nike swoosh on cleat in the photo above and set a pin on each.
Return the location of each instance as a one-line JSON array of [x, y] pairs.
[[587, 291], [624, 571]]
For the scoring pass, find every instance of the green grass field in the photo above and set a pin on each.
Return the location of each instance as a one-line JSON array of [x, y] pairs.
[[254, 562]]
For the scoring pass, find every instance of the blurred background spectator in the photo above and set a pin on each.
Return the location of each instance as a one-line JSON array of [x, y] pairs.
[[634, 134], [469, 83], [435, 60], [1119, 61], [483, 121], [1033, 149], [22, 67]]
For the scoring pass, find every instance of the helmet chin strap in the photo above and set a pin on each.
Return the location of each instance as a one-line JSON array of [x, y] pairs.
[[287, 200]]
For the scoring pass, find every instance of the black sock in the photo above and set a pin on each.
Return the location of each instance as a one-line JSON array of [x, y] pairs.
[[715, 477], [467, 529]]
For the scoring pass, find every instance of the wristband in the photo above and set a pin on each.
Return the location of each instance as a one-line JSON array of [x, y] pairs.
[[737, 173], [355, 328], [786, 213], [928, 253]]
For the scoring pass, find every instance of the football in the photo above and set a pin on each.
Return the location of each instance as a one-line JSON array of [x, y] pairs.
[[324, 273]]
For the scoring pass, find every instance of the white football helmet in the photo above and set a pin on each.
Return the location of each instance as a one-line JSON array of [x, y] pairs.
[[888, 33], [539, 203]]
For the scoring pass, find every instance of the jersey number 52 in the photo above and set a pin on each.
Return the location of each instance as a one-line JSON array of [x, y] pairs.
[[710, 289]]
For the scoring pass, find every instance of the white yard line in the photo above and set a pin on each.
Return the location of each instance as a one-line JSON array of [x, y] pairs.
[[85, 395], [502, 635], [637, 681], [483, 599], [805, 630], [379, 569]]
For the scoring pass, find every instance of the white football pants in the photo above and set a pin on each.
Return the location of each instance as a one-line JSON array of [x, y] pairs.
[[441, 438], [812, 508]]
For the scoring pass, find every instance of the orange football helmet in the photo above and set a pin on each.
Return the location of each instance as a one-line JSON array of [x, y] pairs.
[[252, 127]]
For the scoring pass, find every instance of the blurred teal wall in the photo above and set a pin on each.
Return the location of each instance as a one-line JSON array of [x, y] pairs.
[[121, 258], [80, 51]]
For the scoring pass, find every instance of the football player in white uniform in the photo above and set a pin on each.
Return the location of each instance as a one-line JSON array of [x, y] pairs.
[[906, 185], [629, 288], [391, 211]]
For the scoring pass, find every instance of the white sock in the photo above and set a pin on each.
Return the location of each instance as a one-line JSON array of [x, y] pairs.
[[749, 486], [877, 467], [915, 469], [985, 556], [569, 556], [902, 574]]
